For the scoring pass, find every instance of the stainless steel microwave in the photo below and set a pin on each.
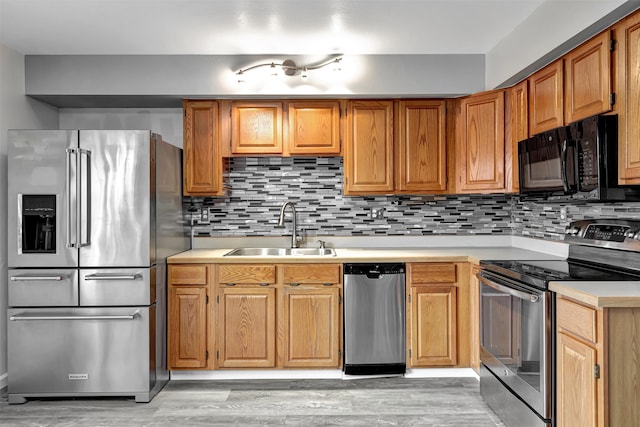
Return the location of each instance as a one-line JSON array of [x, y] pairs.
[[574, 162]]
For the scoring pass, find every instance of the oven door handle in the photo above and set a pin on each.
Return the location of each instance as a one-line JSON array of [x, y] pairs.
[[513, 292]]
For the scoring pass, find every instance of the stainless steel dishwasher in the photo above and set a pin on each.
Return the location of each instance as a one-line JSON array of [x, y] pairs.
[[374, 319]]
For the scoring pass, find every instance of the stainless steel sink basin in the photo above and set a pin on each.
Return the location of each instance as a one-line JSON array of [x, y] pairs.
[[281, 252]]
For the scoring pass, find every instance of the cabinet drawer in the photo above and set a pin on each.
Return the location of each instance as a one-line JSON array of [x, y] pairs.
[[314, 273], [432, 273], [249, 274], [188, 274], [576, 319]]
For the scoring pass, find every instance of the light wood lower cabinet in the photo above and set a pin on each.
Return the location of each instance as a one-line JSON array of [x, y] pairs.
[[278, 315], [433, 326], [190, 333], [598, 367], [311, 327], [246, 327], [438, 320]]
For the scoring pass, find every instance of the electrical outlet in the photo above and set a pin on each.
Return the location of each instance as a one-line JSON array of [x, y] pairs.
[[204, 216], [563, 213], [376, 213]]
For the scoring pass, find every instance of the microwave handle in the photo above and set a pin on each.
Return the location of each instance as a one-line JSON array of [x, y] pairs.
[[563, 167]]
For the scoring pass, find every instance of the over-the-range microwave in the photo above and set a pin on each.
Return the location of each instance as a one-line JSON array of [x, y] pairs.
[[578, 162]]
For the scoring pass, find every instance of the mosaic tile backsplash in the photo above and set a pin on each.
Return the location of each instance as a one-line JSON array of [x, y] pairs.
[[260, 185]]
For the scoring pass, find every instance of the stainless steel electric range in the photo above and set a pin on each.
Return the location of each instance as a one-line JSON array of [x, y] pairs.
[[517, 351]]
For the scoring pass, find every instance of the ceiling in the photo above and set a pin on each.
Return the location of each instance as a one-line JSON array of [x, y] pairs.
[[239, 27]]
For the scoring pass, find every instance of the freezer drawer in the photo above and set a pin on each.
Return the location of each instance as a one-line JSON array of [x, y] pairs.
[[117, 286], [81, 351], [43, 288]]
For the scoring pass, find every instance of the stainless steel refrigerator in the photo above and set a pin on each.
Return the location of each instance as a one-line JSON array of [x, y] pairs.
[[92, 217]]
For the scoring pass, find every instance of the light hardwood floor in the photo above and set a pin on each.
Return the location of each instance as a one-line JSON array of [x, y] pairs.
[[359, 402]]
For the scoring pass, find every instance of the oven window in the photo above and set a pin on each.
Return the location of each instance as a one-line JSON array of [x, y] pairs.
[[513, 333]]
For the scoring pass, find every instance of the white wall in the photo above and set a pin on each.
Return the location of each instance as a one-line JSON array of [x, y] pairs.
[[165, 121], [551, 30], [16, 111]]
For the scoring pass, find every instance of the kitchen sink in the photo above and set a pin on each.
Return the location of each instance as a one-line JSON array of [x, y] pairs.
[[281, 252]]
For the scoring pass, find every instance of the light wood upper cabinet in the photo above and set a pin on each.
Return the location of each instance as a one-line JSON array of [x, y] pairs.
[[190, 334], [587, 79], [546, 98], [520, 111], [395, 147], [480, 146], [313, 128], [627, 94], [203, 163], [368, 156], [421, 165], [256, 127]]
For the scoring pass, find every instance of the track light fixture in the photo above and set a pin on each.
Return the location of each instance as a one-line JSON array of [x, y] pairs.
[[290, 68]]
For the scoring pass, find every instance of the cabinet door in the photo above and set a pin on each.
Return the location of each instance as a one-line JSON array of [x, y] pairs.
[[187, 327], [587, 74], [422, 154], [246, 327], [480, 156], [520, 107], [627, 105], [256, 127], [433, 326], [314, 127], [203, 170], [311, 326], [368, 157], [576, 399], [546, 105]]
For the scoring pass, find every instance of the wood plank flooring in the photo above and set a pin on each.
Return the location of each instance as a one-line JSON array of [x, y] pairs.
[[359, 402]]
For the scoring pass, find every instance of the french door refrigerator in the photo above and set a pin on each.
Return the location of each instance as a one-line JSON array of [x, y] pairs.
[[92, 217]]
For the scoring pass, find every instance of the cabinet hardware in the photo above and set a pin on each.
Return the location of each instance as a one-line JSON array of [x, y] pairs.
[[409, 297], [612, 44], [339, 299], [612, 98], [409, 353], [264, 284], [596, 371], [206, 299], [217, 355], [206, 355], [327, 284], [218, 299], [294, 284], [230, 284]]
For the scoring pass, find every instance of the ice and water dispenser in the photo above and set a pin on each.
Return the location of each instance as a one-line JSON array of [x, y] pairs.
[[38, 223]]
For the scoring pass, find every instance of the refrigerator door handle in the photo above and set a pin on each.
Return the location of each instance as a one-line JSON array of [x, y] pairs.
[[70, 152], [131, 316], [33, 278], [86, 217], [112, 276]]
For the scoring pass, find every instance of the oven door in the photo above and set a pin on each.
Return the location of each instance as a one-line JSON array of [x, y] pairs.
[[516, 339]]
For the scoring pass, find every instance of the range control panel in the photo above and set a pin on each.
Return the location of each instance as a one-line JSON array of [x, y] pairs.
[[616, 233]]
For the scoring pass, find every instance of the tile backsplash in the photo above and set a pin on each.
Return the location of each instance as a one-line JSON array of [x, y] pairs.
[[260, 185]]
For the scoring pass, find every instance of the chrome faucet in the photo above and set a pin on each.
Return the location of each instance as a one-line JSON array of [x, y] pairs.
[[294, 236]]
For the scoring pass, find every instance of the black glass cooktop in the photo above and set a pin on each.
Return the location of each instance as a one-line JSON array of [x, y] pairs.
[[540, 273]]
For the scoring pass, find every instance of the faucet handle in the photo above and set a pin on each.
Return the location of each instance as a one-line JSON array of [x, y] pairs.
[[322, 243]]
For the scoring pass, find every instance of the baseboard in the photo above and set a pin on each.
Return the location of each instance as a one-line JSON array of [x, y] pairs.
[[282, 374]]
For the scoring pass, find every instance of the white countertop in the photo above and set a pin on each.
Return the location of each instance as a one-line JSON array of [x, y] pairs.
[[446, 254], [601, 294]]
